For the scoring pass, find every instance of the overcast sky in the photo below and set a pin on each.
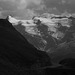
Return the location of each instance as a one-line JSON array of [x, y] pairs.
[[25, 9]]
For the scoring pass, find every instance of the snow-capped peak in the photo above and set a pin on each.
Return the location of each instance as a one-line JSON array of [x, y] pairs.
[[13, 20], [33, 21], [52, 23]]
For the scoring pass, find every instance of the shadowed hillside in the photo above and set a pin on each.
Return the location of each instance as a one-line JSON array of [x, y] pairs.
[[16, 54]]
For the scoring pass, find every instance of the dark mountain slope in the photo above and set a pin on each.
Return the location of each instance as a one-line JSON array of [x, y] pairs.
[[16, 54]]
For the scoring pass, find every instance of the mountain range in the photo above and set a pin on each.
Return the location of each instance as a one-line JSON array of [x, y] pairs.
[[20, 54]]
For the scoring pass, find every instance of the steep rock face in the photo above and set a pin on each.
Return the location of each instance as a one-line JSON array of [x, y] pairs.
[[55, 33], [50, 31], [16, 52], [64, 50]]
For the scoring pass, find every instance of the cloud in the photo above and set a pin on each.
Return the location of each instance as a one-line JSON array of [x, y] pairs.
[[61, 5], [20, 8], [25, 9], [63, 2], [0, 14]]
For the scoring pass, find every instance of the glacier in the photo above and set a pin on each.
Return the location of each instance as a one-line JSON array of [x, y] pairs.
[[51, 22]]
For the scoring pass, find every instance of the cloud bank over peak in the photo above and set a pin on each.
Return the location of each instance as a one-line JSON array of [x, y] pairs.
[[19, 8], [25, 9]]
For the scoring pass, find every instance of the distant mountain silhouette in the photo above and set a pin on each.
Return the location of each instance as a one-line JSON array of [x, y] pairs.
[[16, 54]]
